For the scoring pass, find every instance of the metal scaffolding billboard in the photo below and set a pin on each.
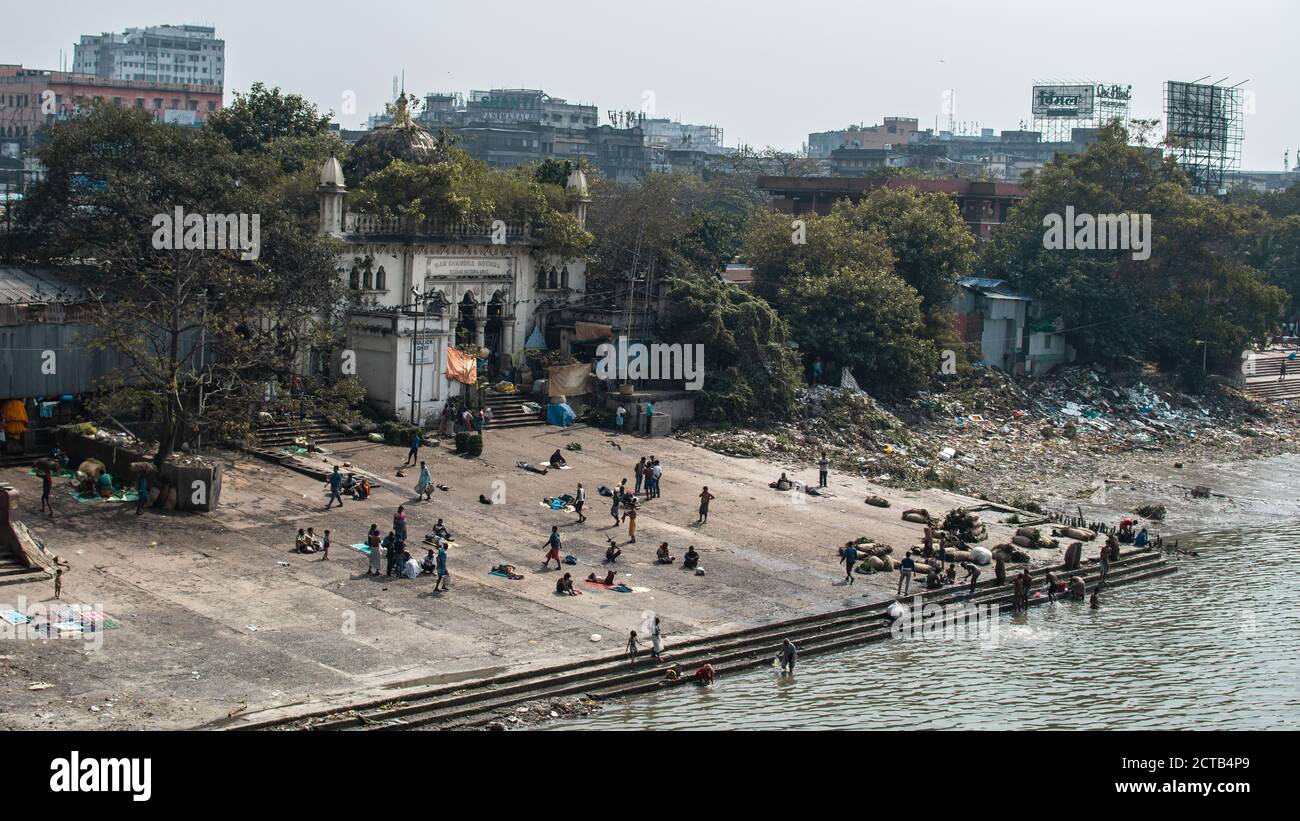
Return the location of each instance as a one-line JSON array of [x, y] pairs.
[[1203, 131], [1059, 108]]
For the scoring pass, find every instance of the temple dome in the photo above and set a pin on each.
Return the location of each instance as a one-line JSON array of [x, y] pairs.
[[331, 174], [576, 185], [402, 139]]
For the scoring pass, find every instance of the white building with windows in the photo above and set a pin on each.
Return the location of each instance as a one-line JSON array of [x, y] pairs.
[[163, 54], [418, 288]]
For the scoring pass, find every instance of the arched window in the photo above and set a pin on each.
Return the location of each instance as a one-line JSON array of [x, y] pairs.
[[381, 280], [564, 277], [553, 279], [354, 278], [541, 278], [367, 279]]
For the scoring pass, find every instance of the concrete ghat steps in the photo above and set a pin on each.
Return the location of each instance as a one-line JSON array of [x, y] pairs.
[[14, 572], [459, 705], [725, 659]]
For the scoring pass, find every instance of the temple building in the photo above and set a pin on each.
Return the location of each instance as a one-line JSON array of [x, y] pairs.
[[417, 288]]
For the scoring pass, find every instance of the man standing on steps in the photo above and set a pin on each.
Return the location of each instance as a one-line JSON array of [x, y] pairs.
[[414, 454], [972, 573], [336, 486], [905, 568]]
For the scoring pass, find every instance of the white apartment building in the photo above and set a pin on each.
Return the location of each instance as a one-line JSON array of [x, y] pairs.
[[164, 54]]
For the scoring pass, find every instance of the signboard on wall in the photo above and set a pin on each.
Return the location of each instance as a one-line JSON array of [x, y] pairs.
[[424, 352], [1067, 101], [468, 267]]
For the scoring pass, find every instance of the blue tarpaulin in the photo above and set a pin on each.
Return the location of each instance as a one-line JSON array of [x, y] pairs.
[[560, 414]]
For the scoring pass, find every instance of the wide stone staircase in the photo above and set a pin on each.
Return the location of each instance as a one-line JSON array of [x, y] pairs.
[[13, 570], [1264, 383], [508, 411], [281, 433]]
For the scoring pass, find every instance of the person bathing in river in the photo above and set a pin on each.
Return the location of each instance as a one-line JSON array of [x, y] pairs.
[[972, 573]]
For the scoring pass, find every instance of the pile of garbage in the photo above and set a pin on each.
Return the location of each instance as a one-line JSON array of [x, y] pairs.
[[857, 433], [993, 434]]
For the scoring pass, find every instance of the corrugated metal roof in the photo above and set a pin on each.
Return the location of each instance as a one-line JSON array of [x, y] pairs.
[[38, 286], [981, 282]]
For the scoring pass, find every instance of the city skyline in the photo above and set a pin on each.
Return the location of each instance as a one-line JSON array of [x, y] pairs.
[[766, 73]]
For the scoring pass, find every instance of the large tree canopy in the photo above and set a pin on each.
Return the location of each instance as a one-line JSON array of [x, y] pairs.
[[750, 370], [1197, 285], [840, 293], [204, 329]]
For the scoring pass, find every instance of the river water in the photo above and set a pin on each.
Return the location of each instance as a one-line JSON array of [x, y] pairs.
[[1214, 646]]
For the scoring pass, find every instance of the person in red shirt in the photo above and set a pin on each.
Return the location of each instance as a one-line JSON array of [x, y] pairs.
[[705, 674]]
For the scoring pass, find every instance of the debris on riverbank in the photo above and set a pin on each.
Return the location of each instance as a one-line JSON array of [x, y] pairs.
[[1003, 437]]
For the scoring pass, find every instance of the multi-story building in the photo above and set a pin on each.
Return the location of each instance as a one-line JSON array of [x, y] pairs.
[[189, 55], [670, 134], [513, 126], [892, 132], [32, 98], [983, 205]]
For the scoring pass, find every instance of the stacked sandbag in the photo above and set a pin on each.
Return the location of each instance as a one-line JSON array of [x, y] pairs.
[[1010, 553], [1073, 555], [1030, 537], [1082, 534], [966, 525], [876, 550], [918, 515], [981, 555]]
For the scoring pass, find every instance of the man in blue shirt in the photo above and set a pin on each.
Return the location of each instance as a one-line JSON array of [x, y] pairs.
[[849, 555], [336, 485], [414, 454], [441, 584], [553, 549], [905, 568]]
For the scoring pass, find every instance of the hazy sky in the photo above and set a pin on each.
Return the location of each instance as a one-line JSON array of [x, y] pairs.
[[767, 72]]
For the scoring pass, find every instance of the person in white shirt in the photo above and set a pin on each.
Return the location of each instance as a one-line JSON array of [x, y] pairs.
[[410, 568], [580, 501]]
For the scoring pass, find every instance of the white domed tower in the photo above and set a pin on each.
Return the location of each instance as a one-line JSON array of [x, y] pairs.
[[579, 196], [331, 192]]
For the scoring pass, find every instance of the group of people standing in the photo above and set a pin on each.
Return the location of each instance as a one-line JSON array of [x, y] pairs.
[[400, 562]]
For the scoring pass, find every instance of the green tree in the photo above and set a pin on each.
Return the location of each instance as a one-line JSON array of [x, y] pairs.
[[203, 331], [931, 243], [264, 117], [867, 320], [1196, 286], [750, 371]]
